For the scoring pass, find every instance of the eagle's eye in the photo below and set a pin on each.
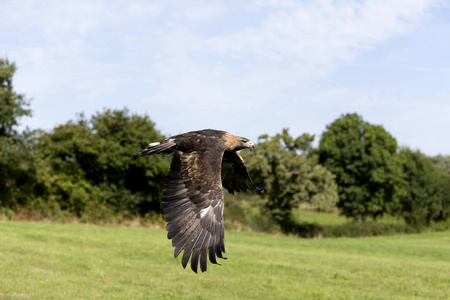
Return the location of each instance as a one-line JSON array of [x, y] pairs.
[[247, 144]]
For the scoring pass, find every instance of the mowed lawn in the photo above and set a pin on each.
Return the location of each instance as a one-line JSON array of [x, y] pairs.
[[69, 261]]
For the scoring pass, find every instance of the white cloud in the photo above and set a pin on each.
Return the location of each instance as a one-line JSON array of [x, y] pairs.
[[217, 61], [294, 44], [321, 32]]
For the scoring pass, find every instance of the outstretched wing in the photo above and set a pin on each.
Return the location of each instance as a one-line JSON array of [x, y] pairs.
[[235, 176], [193, 207]]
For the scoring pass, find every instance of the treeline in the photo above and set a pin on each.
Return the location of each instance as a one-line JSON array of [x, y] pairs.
[[84, 170], [357, 167]]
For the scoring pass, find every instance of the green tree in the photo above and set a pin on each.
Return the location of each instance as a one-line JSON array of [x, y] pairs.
[[443, 162], [368, 171], [291, 175], [22, 172], [20, 165], [92, 165], [69, 151], [12, 105], [120, 134], [428, 189]]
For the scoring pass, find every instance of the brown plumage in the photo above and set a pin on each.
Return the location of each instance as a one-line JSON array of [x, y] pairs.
[[192, 197]]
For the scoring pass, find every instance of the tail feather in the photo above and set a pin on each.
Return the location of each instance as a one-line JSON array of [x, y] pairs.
[[155, 148]]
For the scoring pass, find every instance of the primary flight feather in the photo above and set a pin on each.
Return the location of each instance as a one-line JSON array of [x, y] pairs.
[[192, 197]]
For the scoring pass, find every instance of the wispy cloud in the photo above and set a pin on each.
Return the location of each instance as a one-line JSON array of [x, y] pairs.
[[290, 44], [202, 62]]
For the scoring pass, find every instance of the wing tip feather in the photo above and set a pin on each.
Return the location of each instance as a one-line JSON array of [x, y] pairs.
[[260, 188]]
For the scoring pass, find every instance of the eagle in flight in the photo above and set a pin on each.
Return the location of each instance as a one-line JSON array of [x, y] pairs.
[[192, 197]]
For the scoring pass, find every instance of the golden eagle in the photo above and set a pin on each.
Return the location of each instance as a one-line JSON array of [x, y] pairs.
[[192, 197]]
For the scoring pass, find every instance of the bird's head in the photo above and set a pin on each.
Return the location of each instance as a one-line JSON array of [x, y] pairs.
[[236, 143], [246, 143]]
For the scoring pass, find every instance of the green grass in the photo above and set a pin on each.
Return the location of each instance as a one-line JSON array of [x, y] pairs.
[[326, 218], [68, 261], [322, 218]]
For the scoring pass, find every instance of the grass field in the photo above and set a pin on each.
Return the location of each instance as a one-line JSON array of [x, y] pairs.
[[325, 218], [69, 261]]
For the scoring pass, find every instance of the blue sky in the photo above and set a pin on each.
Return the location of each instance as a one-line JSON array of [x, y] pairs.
[[248, 67]]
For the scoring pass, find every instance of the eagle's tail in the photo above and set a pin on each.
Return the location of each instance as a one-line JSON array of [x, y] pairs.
[[155, 148]]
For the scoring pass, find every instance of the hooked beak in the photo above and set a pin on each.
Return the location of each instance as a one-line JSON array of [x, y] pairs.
[[249, 144]]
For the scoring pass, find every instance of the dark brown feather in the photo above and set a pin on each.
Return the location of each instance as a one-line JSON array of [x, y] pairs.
[[192, 197]]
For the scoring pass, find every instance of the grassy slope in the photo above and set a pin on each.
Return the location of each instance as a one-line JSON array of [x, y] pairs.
[[67, 261]]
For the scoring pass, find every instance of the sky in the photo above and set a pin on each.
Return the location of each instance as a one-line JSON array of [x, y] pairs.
[[247, 67]]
